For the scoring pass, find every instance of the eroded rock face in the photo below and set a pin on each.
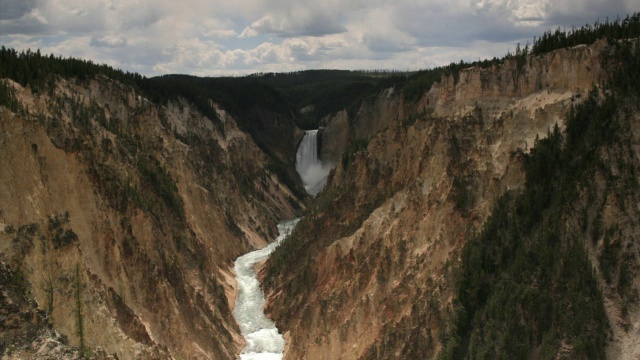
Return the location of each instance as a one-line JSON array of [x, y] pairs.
[[373, 276], [570, 69], [376, 113], [151, 204], [334, 137], [493, 91]]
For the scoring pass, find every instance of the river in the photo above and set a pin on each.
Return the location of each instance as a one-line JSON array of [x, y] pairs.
[[264, 342]]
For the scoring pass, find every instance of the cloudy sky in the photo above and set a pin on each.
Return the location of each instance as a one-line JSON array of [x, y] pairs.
[[235, 37]]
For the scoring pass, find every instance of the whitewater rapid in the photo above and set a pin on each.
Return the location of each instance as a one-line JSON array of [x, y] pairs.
[[264, 342]]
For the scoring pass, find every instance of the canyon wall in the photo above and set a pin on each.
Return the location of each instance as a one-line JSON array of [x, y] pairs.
[[369, 274], [137, 212]]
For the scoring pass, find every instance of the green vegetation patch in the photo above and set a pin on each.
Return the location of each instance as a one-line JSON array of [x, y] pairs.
[[525, 284], [626, 28]]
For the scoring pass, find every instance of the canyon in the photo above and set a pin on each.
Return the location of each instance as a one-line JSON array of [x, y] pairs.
[[126, 215]]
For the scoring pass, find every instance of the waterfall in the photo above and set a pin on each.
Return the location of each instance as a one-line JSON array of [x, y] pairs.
[[311, 169], [264, 342]]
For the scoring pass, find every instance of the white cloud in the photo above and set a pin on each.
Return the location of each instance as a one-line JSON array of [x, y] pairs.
[[249, 32], [37, 16], [223, 34], [378, 31], [111, 41], [208, 37], [296, 21]]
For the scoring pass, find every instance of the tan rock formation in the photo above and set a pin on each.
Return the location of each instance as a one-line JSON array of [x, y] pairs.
[[374, 278], [152, 203], [335, 136]]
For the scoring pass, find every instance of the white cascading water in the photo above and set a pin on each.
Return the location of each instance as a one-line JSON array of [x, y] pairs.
[[264, 342], [311, 169]]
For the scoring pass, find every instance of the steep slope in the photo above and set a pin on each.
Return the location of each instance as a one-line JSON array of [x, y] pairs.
[[260, 110], [371, 272], [526, 285], [135, 210]]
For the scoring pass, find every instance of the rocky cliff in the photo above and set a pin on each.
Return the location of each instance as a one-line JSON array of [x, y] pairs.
[[371, 272], [125, 216]]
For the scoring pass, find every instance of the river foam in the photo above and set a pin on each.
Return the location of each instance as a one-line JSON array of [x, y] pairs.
[[264, 342]]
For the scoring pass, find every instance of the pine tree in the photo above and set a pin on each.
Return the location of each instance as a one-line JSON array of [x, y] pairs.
[[79, 315]]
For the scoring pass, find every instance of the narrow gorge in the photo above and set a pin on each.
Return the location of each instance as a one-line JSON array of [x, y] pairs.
[[263, 338], [476, 210]]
